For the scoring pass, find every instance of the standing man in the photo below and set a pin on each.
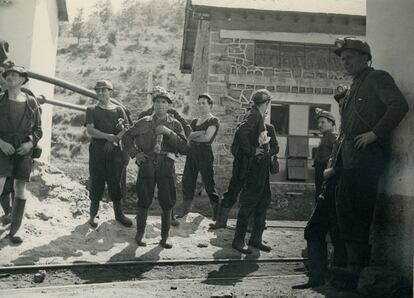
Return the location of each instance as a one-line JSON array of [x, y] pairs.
[[253, 150], [372, 108], [20, 130], [106, 162], [153, 141]]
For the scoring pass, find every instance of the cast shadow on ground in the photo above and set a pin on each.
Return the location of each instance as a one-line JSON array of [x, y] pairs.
[[82, 239]]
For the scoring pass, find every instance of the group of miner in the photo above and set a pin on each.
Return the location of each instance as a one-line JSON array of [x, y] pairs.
[[348, 164]]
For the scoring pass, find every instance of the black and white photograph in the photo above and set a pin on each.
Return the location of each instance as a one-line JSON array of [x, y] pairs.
[[206, 148]]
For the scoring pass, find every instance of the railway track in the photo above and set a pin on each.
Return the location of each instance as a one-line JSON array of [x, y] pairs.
[[210, 270]]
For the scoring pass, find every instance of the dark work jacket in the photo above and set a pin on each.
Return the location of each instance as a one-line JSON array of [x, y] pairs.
[[31, 126], [373, 103], [324, 150], [172, 112], [141, 138], [246, 140]]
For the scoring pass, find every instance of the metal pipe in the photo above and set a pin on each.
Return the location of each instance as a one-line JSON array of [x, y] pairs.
[[67, 85], [41, 100]]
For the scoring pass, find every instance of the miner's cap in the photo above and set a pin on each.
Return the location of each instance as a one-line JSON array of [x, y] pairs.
[[260, 96], [18, 69], [352, 43], [103, 84], [160, 92], [325, 114]]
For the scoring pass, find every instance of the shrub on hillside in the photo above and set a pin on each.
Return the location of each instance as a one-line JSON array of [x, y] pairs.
[[105, 51], [78, 120], [112, 37], [132, 47], [88, 71]]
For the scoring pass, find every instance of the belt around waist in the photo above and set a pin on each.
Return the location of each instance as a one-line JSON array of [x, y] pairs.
[[205, 144]]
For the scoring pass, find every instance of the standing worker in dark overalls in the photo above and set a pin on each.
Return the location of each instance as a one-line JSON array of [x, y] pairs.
[[200, 156], [106, 162], [20, 131], [323, 218], [176, 115], [153, 141], [253, 150], [237, 180], [372, 108]]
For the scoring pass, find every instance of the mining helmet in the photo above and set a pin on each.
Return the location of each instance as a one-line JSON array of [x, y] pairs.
[[325, 114], [207, 96], [104, 84], [260, 96], [18, 69], [352, 43], [160, 92]]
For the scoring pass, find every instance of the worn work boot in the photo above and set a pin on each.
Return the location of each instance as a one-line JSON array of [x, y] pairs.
[[239, 245], [214, 210], [222, 217], [257, 242], [165, 228], [317, 253], [16, 219], [5, 204], [93, 211], [174, 221], [142, 215], [119, 215], [186, 208]]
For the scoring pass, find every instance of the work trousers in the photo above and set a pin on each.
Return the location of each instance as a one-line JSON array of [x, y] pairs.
[[199, 159]]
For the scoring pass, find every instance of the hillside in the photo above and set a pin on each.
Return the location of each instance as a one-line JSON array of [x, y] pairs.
[[125, 47]]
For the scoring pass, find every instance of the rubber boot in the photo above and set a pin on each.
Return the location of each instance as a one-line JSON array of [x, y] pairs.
[[165, 228], [238, 241], [257, 242], [174, 221], [16, 219], [93, 211], [119, 215], [5, 204], [222, 217], [317, 253], [214, 210], [186, 208], [142, 215]]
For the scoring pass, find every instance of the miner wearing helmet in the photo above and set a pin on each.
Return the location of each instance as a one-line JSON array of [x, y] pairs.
[[106, 163], [251, 147], [20, 131], [370, 111], [323, 219], [154, 141]]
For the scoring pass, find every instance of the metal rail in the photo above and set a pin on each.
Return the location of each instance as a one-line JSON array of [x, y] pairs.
[[10, 269]]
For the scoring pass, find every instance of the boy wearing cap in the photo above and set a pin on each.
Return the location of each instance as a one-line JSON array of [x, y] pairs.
[[105, 157], [370, 111], [20, 130], [153, 141], [323, 218], [253, 151]]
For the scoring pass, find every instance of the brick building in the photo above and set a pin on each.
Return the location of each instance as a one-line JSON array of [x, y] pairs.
[[232, 48]]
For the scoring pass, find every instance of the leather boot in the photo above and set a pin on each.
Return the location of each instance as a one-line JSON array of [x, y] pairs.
[[257, 242], [214, 210], [93, 211], [317, 253], [5, 204], [16, 219], [142, 215], [165, 228], [186, 208], [119, 215], [222, 217]]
